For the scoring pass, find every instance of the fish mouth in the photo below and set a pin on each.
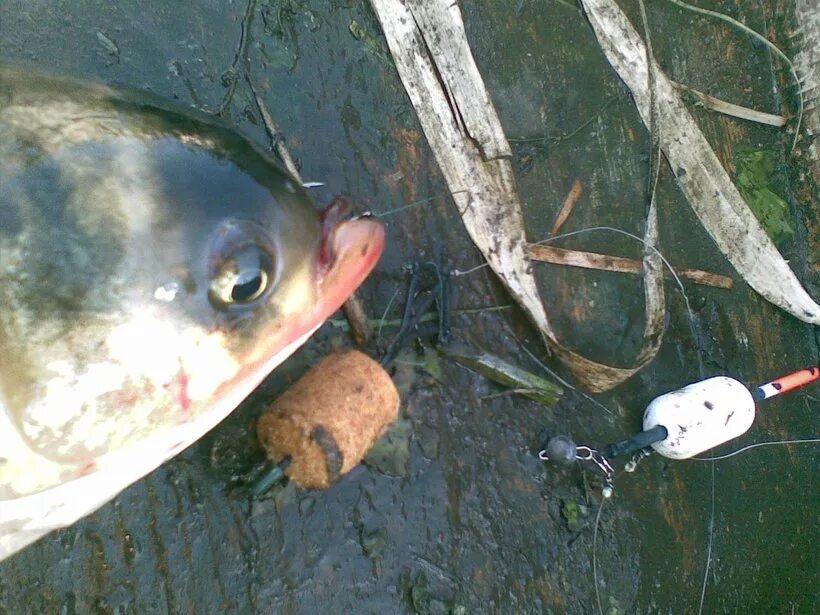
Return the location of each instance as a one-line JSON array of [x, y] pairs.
[[351, 247]]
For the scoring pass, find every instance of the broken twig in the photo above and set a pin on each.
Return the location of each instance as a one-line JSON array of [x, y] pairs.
[[360, 327], [727, 108], [275, 136], [573, 196]]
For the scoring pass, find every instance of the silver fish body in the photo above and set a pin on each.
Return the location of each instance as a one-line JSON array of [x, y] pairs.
[[154, 268]]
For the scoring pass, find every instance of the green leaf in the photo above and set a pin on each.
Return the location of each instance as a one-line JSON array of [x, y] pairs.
[[755, 177]]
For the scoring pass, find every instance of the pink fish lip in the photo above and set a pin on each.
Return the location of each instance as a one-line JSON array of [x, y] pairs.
[[350, 249], [333, 217]]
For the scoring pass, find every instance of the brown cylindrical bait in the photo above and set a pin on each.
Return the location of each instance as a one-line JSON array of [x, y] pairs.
[[329, 418]]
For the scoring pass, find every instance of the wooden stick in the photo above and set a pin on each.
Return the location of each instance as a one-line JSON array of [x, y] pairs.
[[569, 204], [605, 262], [356, 315]]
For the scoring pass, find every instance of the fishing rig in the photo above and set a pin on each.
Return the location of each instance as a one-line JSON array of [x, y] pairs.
[[681, 424]]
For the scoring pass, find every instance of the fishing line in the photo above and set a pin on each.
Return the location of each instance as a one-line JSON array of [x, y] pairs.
[[756, 445], [710, 541], [240, 53], [595, 556], [390, 212], [386, 311], [552, 373], [429, 199], [572, 133], [675, 276]]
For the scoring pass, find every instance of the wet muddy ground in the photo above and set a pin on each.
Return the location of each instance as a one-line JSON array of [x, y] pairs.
[[455, 513]]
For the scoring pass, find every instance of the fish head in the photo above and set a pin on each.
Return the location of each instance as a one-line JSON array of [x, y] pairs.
[[150, 280]]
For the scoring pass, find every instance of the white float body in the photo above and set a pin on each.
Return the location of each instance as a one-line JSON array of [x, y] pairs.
[[700, 416]]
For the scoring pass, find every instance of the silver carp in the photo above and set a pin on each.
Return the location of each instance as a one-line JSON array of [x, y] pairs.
[[154, 268]]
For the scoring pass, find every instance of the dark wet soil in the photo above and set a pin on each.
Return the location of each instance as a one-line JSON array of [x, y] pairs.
[[456, 514]]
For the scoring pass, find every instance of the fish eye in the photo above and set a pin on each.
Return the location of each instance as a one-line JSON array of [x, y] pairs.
[[242, 266]]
